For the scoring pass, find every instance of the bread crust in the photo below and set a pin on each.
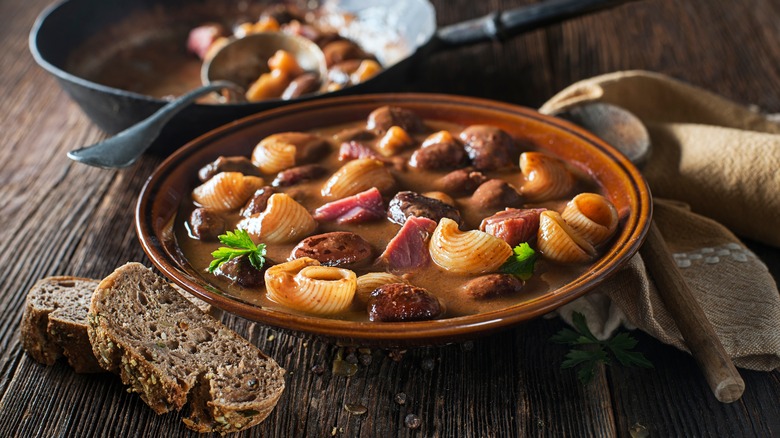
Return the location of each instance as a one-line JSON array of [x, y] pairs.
[[52, 325], [176, 352], [54, 321]]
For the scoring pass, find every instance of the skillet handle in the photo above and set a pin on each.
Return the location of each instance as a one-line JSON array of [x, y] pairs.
[[500, 26]]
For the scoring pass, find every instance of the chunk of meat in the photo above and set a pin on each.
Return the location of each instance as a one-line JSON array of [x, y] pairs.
[[490, 148], [492, 285], [258, 202], [409, 248], [439, 156], [513, 225], [240, 270], [461, 181], [496, 193], [202, 37], [294, 175], [353, 150], [339, 248], [385, 117], [362, 207], [206, 224], [397, 302], [405, 205], [228, 164]]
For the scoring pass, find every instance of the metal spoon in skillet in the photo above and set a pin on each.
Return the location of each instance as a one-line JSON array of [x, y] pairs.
[[627, 133], [234, 67]]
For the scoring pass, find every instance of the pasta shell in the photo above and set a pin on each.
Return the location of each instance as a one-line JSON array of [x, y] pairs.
[[226, 190], [546, 177], [302, 284], [273, 154], [469, 252], [358, 176], [368, 282], [283, 220], [287, 149], [394, 141], [592, 216], [559, 242]]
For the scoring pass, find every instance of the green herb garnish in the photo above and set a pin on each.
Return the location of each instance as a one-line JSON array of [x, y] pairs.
[[238, 244], [521, 262], [596, 351]]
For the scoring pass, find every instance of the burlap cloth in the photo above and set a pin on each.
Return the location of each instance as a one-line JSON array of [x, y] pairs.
[[722, 160]]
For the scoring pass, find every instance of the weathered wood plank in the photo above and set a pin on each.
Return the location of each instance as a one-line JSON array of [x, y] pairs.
[[58, 218]]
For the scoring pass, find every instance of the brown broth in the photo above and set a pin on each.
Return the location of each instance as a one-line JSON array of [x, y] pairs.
[[445, 285], [160, 68]]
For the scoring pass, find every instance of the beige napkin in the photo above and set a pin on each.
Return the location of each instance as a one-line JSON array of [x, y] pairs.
[[723, 160]]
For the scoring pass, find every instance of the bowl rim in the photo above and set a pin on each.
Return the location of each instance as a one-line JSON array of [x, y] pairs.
[[402, 333]]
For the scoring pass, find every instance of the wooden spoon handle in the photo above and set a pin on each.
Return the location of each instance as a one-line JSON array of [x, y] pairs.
[[699, 335]]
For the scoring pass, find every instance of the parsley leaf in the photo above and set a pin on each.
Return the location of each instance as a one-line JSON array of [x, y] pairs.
[[238, 244], [595, 351], [582, 326], [619, 346], [521, 262]]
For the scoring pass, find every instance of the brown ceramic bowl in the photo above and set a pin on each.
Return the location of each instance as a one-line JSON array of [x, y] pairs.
[[174, 180]]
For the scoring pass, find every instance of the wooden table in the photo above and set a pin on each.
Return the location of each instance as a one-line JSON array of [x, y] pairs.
[[63, 218]]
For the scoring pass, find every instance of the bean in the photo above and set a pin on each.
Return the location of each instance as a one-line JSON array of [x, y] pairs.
[[258, 202], [303, 84], [439, 156], [461, 181], [402, 302], [490, 148], [240, 270], [295, 175], [228, 164], [493, 285], [383, 118], [407, 204], [342, 50], [496, 193]]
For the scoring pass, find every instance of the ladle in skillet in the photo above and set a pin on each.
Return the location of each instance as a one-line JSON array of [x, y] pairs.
[[497, 26], [233, 67], [627, 133]]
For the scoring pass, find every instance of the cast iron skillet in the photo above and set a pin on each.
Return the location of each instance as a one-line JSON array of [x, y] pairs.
[[64, 27]]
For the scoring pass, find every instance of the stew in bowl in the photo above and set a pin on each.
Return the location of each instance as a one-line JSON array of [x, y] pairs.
[[393, 220]]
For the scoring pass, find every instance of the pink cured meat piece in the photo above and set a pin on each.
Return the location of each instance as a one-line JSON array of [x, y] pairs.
[[364, 206], [353, 150], [409, 248], [201, 38], [513, 225]]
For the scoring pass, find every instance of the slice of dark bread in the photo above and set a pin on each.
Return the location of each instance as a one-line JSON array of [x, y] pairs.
[[54, 323], [169, 351]]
